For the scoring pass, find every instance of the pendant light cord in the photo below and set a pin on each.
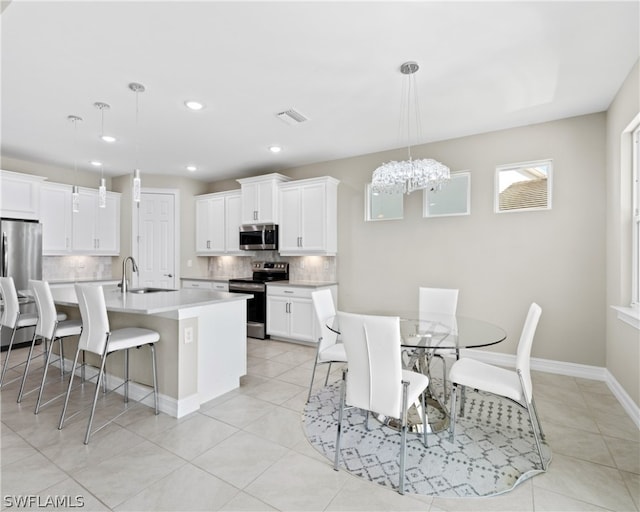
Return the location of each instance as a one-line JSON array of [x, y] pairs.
[[137, 129], [102, 136]]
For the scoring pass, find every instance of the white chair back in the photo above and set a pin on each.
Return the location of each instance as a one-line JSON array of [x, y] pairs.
[[440, 301], [523, 354], [47, 314], [324, 309], [438, 307], [374, 379], [11, 306], [95, 322]]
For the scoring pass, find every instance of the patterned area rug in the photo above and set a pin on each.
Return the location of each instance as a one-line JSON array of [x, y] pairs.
[[494, 449]]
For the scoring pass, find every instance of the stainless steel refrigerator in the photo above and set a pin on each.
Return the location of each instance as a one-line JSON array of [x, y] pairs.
[[20, 258]]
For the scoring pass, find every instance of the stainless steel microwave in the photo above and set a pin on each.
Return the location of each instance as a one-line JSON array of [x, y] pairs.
[[259, 237]]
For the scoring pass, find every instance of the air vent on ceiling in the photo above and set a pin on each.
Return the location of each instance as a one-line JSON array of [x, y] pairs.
[[292, 117]]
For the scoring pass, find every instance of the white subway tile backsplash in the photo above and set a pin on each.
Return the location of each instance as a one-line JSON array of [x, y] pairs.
[[301, 268], [60, 268]]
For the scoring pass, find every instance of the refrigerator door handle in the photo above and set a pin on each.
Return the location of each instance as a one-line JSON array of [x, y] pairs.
[[4, 254]]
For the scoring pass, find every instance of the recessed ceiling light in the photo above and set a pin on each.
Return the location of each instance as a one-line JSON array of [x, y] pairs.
[[108, 138], [194, 105], [275, 149], [95, 163], [191, 168]]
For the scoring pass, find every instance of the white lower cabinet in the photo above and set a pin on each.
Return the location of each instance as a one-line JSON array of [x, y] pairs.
[[202, 285], [219, 286], [290, 313]]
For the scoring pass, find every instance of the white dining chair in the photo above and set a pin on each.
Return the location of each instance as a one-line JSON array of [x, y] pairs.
[[328, 350], [50, 329], [514, 385], [12, 318], [375, 381], [98, 338], [438, 306]]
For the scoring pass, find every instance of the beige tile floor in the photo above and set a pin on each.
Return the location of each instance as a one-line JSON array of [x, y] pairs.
[[246, 451]]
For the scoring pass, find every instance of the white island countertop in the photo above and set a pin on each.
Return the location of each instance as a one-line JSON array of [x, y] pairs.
[[150, 303]]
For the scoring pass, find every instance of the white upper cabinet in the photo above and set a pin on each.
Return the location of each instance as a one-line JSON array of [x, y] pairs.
[[210, 229], [309, 217], [108, 226], [96, 230], [217, 223], [233, 219], [55, 209], [260, 198], [20, 195]]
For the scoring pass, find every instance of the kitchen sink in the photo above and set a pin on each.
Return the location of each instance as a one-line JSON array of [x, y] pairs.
[[150, 290]]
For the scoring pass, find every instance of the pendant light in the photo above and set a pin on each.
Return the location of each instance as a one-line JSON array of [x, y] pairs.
[[412, 174], [137, 88], [75, 192], [102, 189]]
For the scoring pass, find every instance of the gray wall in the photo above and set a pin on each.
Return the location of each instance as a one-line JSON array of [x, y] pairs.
[[622, 340], [500, 262]]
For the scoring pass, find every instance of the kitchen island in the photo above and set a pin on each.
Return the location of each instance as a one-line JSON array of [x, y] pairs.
[[202, 352]]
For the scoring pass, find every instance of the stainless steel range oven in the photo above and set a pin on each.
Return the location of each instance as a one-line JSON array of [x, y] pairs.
[[263, 272]]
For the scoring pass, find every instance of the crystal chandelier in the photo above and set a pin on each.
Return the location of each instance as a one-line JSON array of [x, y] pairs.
[[412, 174]]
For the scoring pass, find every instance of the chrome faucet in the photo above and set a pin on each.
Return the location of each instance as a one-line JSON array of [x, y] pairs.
[[134, 268]]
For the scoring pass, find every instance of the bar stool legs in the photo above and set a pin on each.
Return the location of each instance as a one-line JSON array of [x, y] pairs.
[[26, 367]]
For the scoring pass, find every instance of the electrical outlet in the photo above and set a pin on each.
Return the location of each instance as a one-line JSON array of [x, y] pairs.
[[188, 335]]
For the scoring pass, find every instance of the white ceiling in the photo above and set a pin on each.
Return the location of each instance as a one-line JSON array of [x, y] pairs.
[[483, 66]]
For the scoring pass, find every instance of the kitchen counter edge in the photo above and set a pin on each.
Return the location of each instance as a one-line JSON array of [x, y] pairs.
[[303, 284]]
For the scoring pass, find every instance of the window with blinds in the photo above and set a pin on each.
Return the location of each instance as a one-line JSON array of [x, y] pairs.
[[523, 187]]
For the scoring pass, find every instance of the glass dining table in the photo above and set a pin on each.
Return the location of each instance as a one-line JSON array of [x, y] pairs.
[[423, 336]]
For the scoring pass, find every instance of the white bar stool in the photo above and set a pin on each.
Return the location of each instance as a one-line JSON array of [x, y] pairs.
[[14, 320], [97, 338], [50, 329]]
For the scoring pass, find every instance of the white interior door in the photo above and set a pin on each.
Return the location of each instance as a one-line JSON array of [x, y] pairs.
[[156, 247]]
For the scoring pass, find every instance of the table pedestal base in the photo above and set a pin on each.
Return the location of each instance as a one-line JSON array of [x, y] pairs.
[[437, 418], [437, 415]]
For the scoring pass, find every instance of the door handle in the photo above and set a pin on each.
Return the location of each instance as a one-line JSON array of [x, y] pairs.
[[5, 249], [168, 275]]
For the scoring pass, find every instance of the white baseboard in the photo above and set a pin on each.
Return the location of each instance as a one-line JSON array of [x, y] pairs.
[[182, 407], [138, 393], [623, 397], [582, 371]]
